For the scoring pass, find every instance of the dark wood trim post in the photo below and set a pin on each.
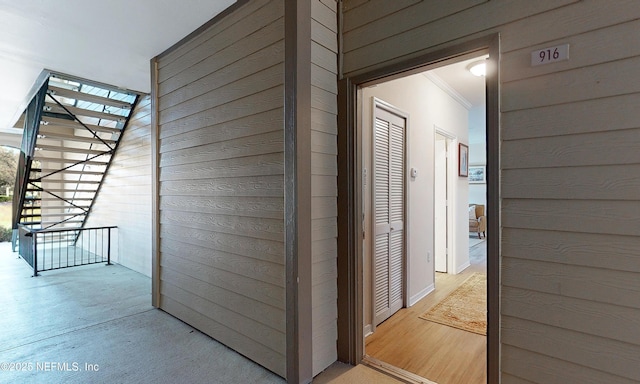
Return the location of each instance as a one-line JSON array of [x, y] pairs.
[[493, 210], [350, 290], [297, 193]]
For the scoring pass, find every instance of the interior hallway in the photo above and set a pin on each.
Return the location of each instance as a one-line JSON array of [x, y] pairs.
[[100, 318], [434, 351]]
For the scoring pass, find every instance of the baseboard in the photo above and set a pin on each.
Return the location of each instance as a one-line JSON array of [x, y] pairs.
[[420, 295], [463, 267], [367, 330]]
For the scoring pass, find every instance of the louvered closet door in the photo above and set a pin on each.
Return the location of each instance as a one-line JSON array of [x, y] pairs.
[[389, 154]]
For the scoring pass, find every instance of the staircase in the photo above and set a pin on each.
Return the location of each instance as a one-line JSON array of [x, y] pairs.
[[72, 128]]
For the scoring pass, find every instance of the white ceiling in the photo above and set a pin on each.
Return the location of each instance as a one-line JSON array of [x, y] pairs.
[[107, 41], [458, 77]]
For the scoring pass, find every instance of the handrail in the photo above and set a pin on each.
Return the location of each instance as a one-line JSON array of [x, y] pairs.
[[32, 230], [49, 249]]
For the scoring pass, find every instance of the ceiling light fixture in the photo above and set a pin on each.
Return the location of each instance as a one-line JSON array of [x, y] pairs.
[[478, 68]]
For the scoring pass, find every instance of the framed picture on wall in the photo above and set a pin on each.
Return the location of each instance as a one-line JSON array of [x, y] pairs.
[[477, 174], [463, 160]]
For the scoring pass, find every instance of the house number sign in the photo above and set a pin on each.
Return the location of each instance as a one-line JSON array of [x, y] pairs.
[[550, 55]]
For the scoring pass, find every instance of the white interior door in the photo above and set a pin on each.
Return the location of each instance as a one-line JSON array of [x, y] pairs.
[[389, 132]]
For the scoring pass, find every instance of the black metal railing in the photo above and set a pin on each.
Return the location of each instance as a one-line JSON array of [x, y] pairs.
[[49, 249]]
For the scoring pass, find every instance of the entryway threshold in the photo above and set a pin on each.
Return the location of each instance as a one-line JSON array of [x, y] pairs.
[[395, 372]]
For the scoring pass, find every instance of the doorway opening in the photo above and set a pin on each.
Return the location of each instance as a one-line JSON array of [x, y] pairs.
[[448, 125]]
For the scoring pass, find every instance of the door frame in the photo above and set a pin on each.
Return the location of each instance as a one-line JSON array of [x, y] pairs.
[[450, 141], [350, 345]]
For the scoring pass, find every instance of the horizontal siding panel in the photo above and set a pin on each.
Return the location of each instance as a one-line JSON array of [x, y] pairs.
[[195, 41], [322, 142], [246, 106], [257, 228], [245, 67], [609, 356], [324, 36], [322, 250], [467, 22], [257, 290], [322, 229], [262, 144], [269, 164], [580, 17], [268, 250], [326, 323], [324, 79], [247, 347], [589, 149], [323, 100], [604, 80], [409, 14], [586, 49], [323, 57], [255, 83], [252, 268], [324, 121], [366, 12], [595, 284], [264, 186], [322, 164], [241, 206], [249, 23], [324, 185], [202, 71], [614, 217], [265, 122], [324, 207], [598, 319], [325, 15], [228, 302], [590, 116], [544, 369], [615, 182], [579, 249], [324, 271], [324, 295]]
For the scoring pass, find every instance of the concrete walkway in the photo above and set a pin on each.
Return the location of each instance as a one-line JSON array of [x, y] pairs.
[[95, 324]]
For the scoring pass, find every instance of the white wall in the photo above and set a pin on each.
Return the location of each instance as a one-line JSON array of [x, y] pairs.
[[477, 151], [125, 197], [428, 106]]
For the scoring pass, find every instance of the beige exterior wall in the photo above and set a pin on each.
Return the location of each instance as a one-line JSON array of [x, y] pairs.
[[569, 152], [125, 196], [221, 182]]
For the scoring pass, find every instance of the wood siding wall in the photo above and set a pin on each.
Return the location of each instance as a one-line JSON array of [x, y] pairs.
[[324, 69], [221, 167], [570, 140], [125, 196]]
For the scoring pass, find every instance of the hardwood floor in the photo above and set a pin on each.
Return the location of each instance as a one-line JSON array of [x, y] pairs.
[[437, 352]]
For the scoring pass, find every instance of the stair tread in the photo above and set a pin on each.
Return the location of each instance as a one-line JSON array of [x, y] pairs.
[[69, 161], [80, 139], [77, 95], [55, 108], [51, 122]]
